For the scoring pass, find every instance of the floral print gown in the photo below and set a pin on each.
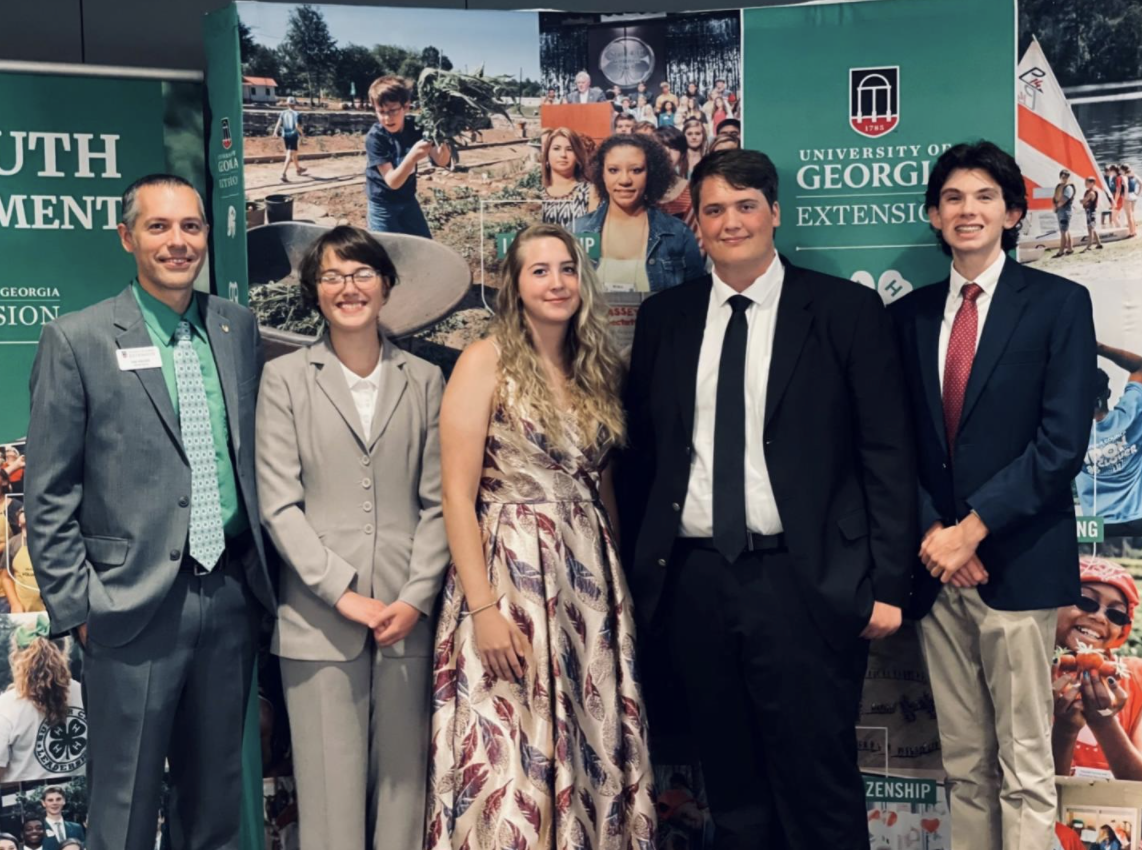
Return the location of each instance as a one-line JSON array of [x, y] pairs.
[[558, 761]]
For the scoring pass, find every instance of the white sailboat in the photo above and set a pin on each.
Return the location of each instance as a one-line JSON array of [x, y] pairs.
[[1049, 140]]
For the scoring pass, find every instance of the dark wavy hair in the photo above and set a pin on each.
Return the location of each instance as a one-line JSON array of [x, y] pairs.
[[348, 243], [674, 139], [659, 173], [1000, 166]]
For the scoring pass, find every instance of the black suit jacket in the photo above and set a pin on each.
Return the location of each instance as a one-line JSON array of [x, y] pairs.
[[838, 444], [1023, 433]]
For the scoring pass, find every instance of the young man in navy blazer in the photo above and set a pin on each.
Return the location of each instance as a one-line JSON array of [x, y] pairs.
[[1000, 364]]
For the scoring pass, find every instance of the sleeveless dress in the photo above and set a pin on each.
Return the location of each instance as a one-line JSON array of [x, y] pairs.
[[563, 210], [559, 761]]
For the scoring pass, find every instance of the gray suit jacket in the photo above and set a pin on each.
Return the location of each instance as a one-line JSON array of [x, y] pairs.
[[109, 493], [594, 95], [349, 510]]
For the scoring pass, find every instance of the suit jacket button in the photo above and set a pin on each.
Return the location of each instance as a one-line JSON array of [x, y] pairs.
[[176, 554], [369, 528], [183, 502], [364, 460], [366, 483], [650, 262], [676, 506], [368, 506], [689, 449], [662, 562]]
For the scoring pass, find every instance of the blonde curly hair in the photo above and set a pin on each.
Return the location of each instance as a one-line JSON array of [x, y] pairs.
[[594, 369]]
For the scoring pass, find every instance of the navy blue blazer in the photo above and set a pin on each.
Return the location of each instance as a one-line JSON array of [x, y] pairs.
[[1024, 430]]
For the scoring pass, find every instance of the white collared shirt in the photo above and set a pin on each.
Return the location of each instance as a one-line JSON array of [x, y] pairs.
[[988, 280], [761, 317], [364, 392]]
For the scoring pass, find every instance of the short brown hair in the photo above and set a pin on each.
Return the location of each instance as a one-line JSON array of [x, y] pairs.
[[390, 89], [54, 789], [348, 243], [742, 169]]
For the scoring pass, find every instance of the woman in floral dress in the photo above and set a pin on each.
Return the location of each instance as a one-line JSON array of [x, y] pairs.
[[538, 729]]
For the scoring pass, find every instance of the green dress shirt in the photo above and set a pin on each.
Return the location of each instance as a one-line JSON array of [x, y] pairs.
[[161, 323]]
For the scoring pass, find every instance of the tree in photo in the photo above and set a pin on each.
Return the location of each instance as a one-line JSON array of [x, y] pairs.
[[309, 49], [356, 69], [246, 43]]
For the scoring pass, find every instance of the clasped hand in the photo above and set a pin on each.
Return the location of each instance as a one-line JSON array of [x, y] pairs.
[[389, 623], [950, 553]]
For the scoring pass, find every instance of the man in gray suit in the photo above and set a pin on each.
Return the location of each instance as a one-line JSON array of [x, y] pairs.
[[584, 91], [143, 527]]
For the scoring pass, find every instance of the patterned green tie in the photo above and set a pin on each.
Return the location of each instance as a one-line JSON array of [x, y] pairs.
[[207, 540]]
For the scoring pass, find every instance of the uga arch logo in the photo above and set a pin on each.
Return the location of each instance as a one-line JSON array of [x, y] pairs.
[[874, 100]]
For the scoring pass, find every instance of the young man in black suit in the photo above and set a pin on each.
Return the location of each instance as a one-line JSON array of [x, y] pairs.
[[769, 507], [1000, 364]]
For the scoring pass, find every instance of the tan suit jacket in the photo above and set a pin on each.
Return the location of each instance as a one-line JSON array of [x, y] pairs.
[[348, 510]]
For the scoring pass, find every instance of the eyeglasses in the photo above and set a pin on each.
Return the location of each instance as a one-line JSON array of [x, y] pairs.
[[1115, 616], [364, 278], [390, 113]]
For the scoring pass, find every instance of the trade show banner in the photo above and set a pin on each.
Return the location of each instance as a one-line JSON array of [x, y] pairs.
[[854, 132], [226, 191], [71, 143], [853, 135], [1080, 152]]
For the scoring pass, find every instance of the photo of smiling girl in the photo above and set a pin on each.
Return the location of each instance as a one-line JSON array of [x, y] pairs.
[[1096, 732]]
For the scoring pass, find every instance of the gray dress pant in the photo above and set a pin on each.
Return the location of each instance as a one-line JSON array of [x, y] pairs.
[[359, 731], [177, 692]]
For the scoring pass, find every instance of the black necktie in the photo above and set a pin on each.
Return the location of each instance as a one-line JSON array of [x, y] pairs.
[[729, 436]]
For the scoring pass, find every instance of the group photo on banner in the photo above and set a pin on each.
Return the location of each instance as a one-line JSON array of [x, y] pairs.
[[450, 428]]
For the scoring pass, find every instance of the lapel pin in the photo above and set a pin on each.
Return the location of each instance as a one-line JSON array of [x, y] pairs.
[[225, 328]]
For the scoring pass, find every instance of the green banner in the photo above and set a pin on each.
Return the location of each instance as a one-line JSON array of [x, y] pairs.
[[854, 129], [1090, 529], [224, 153], [896, 789], [69, 147]]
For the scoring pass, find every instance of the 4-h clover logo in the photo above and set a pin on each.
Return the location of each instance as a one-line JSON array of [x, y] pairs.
[[63, 748]]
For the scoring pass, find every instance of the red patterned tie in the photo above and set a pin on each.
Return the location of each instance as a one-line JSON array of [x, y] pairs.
[[957, 364]]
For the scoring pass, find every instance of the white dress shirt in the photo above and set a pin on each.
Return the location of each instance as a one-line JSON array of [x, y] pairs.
[[988, 280], [364, 392], [761, 318]]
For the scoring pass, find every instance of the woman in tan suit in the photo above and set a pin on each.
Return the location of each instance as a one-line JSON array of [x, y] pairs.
[[349, 478]]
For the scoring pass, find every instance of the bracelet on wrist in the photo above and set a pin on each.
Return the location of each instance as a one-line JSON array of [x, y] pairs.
[[484, 607]]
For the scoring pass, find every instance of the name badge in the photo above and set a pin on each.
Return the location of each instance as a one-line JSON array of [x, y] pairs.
[[131, 359]]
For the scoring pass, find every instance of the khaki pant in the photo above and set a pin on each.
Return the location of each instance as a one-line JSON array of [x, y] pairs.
[[991, 680]]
